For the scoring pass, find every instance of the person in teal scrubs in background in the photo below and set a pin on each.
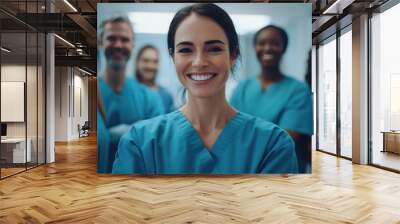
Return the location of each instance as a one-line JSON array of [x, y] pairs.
[[125, 100], [276, 97], [206, 135], [147, 61], [103, 138]]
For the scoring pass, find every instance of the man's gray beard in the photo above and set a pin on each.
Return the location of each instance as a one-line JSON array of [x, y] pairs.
[[116, 68]]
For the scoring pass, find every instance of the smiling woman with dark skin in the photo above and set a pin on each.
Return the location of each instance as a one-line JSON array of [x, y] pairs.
[[276, 97], [206, 135]]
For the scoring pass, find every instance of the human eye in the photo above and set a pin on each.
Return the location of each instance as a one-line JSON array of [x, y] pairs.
[[111, 38], [184, 50], [125, 40], [215, 49]]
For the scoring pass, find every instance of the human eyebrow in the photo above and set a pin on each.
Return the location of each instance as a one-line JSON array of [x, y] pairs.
[[214, 42], [184, 43]]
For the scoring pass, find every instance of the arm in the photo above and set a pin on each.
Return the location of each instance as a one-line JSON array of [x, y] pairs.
[[297, 120], [117, 131], [128, 159], [297, 117]]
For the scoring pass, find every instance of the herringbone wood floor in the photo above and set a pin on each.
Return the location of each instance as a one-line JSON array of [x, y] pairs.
[[70, 191]]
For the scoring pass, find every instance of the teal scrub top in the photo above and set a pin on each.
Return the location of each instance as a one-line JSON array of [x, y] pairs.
[[135, 102], [103, 141], [169, 144], [286, 103]]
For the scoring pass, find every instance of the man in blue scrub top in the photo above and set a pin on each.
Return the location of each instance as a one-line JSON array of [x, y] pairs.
[[276, 97], [125, 100]]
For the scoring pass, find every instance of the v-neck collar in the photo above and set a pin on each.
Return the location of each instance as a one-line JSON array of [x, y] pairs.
[[123, 89], [194, 140], [271, 85]]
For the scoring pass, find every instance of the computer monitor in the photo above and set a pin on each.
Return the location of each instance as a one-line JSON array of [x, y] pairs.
[[3, 129]]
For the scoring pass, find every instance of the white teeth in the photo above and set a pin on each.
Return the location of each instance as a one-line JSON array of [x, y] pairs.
[[267, 56], [201, 77]]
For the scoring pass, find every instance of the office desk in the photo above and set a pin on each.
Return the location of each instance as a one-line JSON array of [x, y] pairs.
[[391, 141], [15, 148]]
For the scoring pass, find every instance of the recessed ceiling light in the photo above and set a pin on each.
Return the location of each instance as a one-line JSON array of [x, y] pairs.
[[70, 5], [84, 71], [64, 40]]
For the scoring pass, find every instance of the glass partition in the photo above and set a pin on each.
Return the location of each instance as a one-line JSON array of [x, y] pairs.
[[327, 96], [385, 89], [346, 93], [22, 77], [13, 105]]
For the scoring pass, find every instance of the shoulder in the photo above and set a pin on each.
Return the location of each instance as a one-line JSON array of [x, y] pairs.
[[248, 81], [133, 83], [243, 86], [102, 83], [263, 129], [100, 80], [154, 127], [296, 85], [139, 87], [269, 137], [164, 91]]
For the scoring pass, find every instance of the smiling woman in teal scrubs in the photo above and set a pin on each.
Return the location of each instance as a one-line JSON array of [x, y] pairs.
[[276, 97], [206, 135]]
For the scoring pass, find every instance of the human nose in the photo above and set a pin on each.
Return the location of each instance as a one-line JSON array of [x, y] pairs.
[[266, 47], [117, 43], [199, 59]]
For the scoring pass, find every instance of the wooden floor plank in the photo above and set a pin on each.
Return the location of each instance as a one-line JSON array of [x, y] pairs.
[[70, 191]]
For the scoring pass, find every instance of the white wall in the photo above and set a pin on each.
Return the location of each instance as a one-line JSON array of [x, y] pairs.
[[69, 82], [61, 103], [16, 73], [294, 18], [33, 126]]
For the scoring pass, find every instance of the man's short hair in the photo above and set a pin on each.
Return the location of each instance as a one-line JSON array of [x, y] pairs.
[[117, 19]]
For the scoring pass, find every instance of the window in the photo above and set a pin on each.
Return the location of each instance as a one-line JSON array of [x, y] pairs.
[[327, 96], [385, 89], [346, 93]]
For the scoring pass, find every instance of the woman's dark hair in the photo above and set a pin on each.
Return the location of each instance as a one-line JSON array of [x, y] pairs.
[[282, 32], [139, 54], [212, 11]]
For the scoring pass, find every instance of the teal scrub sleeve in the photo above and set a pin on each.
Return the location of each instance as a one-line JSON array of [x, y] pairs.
[[103, 142], [281, 158], [298, 114], [155, 105], [128, 159], [116, 132]]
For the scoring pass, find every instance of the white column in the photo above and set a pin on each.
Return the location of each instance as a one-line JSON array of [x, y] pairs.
[[50, 93], [360, 90]]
